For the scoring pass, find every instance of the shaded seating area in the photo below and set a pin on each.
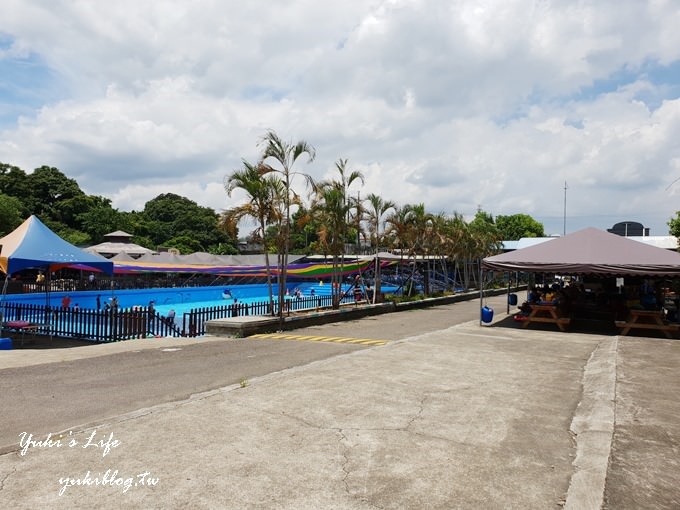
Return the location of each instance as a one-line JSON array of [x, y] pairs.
[[617, 282]]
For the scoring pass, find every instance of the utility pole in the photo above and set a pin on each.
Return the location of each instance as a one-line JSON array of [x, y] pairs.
[[358, 222], [564, 228]]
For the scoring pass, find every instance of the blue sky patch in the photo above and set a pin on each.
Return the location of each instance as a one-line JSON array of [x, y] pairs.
[[26, 84], [665, 79]]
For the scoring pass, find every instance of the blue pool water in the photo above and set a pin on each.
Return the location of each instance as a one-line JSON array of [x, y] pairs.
[[181, 299], [245, 296]]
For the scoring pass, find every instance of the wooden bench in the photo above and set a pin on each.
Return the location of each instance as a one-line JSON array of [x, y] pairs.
[[647, 319], [546, 313]]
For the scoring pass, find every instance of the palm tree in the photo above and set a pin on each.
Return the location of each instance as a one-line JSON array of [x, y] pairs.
[[419, 224], [398, 231], [378, 208], [334, 208], [486, 240], [435, 244], [456, 234], [262, 191], [330, 212], [284, 155], [351, 206]]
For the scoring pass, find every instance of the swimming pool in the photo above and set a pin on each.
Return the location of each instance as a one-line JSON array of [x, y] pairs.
[[244, 296], [180, 299], [189, 307]]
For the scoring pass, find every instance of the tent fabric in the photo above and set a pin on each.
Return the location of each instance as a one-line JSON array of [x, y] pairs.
[[109, 248], [309, 270], [122, 257], [589, 251], [214, 260], [33, 245]]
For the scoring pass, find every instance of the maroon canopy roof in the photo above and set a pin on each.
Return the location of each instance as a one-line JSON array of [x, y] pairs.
[[589, 251]]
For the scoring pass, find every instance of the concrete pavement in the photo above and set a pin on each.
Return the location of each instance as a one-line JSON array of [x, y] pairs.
[[459, 417]]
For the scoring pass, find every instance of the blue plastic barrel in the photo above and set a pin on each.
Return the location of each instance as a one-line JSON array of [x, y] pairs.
[[487, 314], [512, 299], [5, 344]]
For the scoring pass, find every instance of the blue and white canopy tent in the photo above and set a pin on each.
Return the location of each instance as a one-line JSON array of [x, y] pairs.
[[32, 245]]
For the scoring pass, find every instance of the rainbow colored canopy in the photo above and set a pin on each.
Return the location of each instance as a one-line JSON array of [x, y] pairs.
[[33, 245], [309, 270]]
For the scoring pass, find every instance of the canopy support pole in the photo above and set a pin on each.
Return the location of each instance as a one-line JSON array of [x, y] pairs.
[[481, 293], [2, 302], [508, 296]]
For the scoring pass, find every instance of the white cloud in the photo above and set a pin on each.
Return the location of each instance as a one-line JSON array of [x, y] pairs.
[[455, 104]]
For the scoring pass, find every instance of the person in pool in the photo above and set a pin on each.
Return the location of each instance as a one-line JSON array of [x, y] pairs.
[[226, 294]]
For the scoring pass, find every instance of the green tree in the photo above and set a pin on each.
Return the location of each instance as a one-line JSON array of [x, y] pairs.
[[304, 230], [283, 156], [330, 209], [100, 218], [14, 183], [170, 216], [420, 226], [484, 217], [332, 200], [397, 230], [377, 209], [261, 190], [49, 186], [75, 237], [517, 226], [674, 226], [10, 213], [184, 243]]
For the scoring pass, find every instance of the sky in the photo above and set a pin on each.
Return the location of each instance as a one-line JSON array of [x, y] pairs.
[[460, 105]]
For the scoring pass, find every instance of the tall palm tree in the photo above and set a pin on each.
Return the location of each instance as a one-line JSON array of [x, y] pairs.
[[435, 244], [283, 155], [335, 209], [376, 212], [351, 205], [329, 209], [262, 191], [486, 240], [347, 178], [456, 240], [398, 231]]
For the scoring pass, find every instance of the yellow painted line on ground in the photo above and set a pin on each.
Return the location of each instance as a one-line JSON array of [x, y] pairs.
[[375, 342], [309, 338]]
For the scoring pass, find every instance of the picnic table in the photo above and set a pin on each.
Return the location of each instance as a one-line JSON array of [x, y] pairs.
[[23, 327], [647, 319], [546, 313]]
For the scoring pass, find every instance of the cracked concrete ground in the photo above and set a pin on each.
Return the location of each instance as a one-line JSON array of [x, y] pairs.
[[465, 417]]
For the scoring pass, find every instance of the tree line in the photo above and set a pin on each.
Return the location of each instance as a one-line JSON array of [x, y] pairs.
[[293, 213], [168, 220]]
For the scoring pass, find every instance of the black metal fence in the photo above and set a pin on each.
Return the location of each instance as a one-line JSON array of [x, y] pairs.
[[193, 322], [139, 322], [96, 325]]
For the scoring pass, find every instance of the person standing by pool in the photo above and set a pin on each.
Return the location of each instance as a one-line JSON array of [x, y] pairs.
[[151, 312], [357, 293], [99, 302]]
